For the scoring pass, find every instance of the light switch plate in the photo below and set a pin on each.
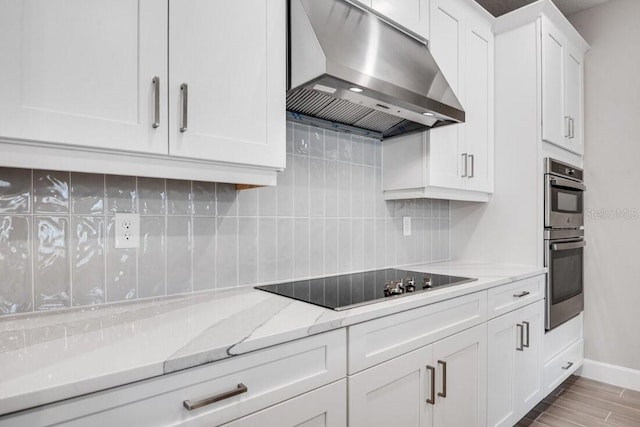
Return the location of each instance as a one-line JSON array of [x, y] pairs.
[[127, 230], [406, 226]]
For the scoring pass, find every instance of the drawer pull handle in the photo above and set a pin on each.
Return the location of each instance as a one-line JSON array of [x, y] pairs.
[[432, 399], [520, 346], [443, 393], [523, 294], [213, 399], [569, 365]]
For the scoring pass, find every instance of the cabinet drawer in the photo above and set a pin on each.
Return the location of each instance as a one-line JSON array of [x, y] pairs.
[[556, 340], [509, 297], [562, 366], [382, 339], [271, 376], [326, 407]]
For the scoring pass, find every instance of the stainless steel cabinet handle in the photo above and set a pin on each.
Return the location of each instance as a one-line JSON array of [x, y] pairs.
[[464, 162], [569, 365], [432, 399], [520, 347], [241, 388], [156, 102], [522, 294], [185, 105], [567, 126], [573, 127], [526, 324], [443, 393], [473, 165]]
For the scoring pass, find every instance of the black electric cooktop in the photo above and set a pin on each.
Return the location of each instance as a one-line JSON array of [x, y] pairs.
[[351, 290]]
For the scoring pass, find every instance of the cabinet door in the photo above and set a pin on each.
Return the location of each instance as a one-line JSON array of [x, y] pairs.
[[529, 361], [80, 72], [393, 393], [554, 123], [479, 105], [324, 407], [574, 100], [503, 338], [462, 373], [412, 14], [227, 87], [447, 46]]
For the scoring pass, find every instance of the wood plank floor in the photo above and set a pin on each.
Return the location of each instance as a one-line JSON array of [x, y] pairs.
[[584, 402]]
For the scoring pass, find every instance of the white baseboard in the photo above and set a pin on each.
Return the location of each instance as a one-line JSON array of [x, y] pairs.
[[610, 374]]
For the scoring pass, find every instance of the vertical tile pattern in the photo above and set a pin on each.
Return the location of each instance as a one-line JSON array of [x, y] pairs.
[[326, 216]]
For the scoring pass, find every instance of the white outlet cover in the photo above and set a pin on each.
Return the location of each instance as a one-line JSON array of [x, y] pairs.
[[127, 230], [406, 226]]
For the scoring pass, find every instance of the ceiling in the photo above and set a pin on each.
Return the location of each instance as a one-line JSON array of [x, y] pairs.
[[568, 7]]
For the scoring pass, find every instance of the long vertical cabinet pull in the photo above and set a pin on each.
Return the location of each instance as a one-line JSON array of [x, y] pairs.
[[567, 125], [573, 128], [464, 162], [185, 106], [432, 371], [443, 393], [473, 166], [526, 324], [156, 102], [520, 347]]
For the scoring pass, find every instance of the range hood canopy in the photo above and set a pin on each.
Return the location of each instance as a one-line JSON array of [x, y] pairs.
[[352, 68]]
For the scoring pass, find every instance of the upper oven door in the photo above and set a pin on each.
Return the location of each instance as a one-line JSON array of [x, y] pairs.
[[564, 203]]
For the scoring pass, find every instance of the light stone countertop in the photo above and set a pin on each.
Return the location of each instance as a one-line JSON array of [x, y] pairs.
[[53, 356]]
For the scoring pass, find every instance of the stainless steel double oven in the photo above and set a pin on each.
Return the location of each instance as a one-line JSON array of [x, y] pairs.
[[564, 241]]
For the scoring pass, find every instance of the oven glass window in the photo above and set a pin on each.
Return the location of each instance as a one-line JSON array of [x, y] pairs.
[[566, 201], [566, 271]]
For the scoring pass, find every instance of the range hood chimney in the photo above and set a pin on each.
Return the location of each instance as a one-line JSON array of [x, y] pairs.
[[353, 69]]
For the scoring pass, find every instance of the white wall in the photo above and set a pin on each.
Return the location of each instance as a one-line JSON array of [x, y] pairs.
[[612, 163]]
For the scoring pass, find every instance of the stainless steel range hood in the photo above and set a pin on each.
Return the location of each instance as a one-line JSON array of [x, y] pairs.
[[353, 69]]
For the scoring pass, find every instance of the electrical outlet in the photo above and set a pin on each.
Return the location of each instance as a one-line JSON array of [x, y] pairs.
[[127, 230], [406, 226]]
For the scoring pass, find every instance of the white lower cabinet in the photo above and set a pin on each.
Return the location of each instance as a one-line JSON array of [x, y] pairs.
[[515, 364], [324, 407], [442, 384]]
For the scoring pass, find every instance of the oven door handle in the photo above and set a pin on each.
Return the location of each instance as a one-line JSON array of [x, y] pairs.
[[568, 245], [567, 183]]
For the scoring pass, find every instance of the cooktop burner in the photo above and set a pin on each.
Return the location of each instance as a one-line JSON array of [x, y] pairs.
[[351, 290]]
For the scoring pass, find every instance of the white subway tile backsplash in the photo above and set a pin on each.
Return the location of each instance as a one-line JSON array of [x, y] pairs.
[[326, 216]]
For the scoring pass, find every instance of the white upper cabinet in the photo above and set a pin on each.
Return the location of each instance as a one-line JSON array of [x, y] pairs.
[[454, 162], [95, 75], [82, 73], [228, 78], [412, 14], [562, 89]]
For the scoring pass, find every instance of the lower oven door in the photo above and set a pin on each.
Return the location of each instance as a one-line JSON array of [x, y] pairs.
[[565, 298]]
